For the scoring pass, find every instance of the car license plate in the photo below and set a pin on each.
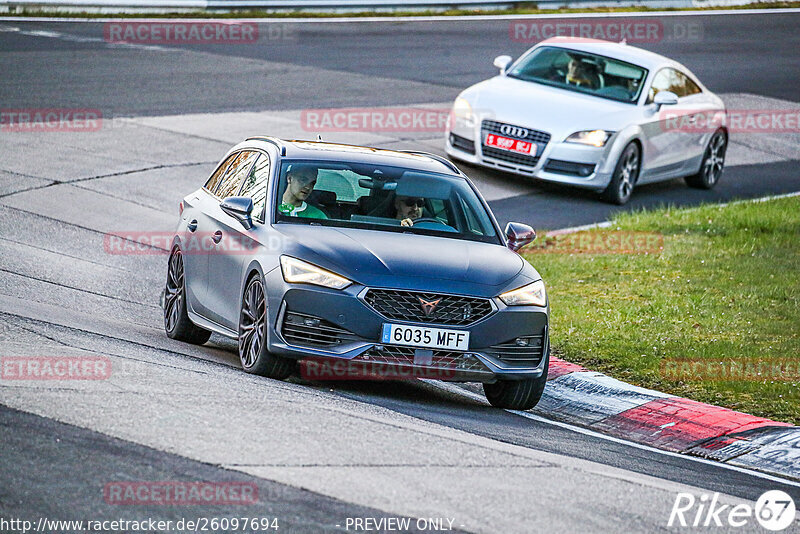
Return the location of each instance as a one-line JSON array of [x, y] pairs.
[[513, 145], [423, 336]]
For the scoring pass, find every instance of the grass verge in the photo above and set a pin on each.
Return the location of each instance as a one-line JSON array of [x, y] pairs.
[[723, 289], [522, 9]]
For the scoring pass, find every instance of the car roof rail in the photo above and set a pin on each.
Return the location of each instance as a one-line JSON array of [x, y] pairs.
[[444, 161], [274, 140]]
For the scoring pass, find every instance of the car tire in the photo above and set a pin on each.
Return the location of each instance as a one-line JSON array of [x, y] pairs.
[[176, 320], [713, 163], [517, 394], [253, 353], [626, 173]]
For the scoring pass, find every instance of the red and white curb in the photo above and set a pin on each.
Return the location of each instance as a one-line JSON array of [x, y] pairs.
[[612, 407]]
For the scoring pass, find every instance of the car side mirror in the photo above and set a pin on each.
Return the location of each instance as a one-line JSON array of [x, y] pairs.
[[518, 235], [665, 98], [240, 208], [502, 63]]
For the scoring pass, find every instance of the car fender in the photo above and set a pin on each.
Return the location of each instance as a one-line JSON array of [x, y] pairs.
[[619, 141]]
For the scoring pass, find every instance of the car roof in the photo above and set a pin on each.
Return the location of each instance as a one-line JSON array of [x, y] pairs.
[[302, 149], [621, 51]]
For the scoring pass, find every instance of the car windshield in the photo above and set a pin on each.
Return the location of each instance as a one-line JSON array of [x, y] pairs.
[[581, 72], [383, 198]]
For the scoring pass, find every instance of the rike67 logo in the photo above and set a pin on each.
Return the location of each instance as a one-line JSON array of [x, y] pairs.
[[775, 510]]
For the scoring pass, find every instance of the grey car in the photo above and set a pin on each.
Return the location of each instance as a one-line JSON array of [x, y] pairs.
[[359, 258]]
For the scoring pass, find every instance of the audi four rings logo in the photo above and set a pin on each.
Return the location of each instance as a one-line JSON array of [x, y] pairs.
[[513, 131]]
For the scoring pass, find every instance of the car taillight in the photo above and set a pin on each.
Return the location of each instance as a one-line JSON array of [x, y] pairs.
[[180, 208]]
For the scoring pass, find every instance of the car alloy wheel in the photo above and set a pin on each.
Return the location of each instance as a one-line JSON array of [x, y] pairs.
[[253, 353], [713, 163], [176, 319], [625, 175], [251, 324]]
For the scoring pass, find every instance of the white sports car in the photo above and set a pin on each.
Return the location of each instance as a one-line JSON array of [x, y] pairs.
[[594, 114]]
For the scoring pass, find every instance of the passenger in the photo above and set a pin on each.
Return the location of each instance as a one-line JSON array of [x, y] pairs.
[[300, 182], [407, 209]]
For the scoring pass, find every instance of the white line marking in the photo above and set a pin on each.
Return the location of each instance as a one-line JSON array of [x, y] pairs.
[[429, 18], [585, 431]]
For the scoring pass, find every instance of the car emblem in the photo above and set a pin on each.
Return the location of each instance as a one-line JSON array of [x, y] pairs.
[[428, 305], [513, 131]]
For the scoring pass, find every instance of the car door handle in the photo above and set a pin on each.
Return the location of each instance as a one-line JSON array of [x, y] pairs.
[[192, 226], [217, 237]]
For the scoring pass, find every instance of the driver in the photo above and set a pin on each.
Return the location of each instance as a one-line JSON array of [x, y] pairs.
[[407, 209], [300, 182], [580, 73]]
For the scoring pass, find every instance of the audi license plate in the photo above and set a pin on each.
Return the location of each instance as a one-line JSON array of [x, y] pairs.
[[422, 336], [514, 145]]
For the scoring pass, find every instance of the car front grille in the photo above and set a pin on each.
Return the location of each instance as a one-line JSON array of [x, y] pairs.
[[308, 330], [534, 136], [528, 350], [441, 309], [410, 356]]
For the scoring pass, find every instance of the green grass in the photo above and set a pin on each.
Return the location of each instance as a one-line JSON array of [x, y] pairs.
[[521, 9], [725, 286]]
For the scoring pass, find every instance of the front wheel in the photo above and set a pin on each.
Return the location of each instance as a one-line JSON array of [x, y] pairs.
[[517, 394], [253, 352], [176, 321], [626, 173], [713, 163]]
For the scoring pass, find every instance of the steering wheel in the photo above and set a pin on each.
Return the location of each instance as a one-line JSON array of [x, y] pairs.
[[429, 220]]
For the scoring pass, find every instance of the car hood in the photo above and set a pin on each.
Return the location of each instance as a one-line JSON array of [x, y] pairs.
[[408, 261], [559, 112]]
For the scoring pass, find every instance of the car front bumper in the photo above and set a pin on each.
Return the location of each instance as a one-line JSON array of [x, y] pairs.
[[319, 323], [573, 164]]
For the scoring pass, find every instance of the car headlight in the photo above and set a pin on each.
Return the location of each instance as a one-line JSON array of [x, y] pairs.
[[462, 110], [531, 294], [300, 272], [590, 137]]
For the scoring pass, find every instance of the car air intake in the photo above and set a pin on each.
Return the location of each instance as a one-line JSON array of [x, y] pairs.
[[308, 330]]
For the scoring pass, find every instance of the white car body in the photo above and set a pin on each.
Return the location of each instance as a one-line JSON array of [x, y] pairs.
[[666, 153]]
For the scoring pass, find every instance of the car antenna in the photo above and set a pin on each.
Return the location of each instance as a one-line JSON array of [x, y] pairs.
[[624, 41], [319, 138]]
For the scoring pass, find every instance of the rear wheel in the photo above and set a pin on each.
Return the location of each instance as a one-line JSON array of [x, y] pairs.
[[253, 336], [713, 163], [176, 321], [626, 173], [517, 394]]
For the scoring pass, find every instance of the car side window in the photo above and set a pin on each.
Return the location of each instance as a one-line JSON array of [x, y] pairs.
[[255, 185], [669, 79], [236, 173], [216, 177]]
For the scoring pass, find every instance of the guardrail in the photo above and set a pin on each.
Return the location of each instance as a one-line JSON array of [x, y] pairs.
[[144, 6]]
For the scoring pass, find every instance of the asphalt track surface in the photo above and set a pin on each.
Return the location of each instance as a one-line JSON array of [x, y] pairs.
[[319, 452]]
